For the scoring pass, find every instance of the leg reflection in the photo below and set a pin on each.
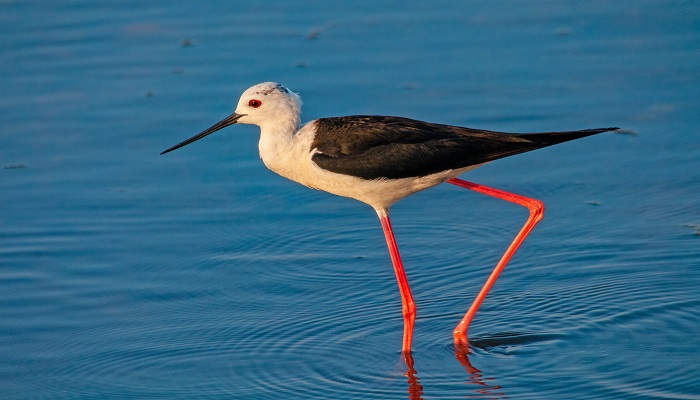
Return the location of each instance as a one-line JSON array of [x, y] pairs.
[[476, 377], [415, 390]]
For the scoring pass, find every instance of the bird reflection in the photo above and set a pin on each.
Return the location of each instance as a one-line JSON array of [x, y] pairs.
[[474, 377], [415, 390]]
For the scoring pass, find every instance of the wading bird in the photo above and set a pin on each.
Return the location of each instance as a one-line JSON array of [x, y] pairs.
[[379, 160]]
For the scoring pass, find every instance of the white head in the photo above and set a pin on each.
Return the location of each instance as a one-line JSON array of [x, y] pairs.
[[268, 105]]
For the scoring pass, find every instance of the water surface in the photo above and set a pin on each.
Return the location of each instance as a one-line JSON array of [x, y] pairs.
[[200, 274]]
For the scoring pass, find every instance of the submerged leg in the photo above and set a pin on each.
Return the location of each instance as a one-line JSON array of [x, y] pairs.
[[407, 305], [536, 212]]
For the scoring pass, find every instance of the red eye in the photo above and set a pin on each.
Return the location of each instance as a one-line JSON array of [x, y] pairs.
[[255, 103]]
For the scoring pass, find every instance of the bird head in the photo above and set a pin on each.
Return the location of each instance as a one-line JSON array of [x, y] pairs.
[[268, 103], [265, 104]]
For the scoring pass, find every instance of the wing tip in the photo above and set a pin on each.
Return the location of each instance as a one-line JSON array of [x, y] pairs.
[[600, 130]]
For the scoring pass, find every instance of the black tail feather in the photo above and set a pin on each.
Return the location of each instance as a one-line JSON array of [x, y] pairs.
[[545, 139]]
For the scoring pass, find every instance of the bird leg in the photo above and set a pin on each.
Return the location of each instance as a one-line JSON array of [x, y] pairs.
[[536, 212], [407, 305]]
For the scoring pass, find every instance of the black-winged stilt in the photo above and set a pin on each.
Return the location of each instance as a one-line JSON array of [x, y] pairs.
[[379, 160]]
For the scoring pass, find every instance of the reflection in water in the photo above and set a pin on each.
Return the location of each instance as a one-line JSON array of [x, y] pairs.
[[415, 390], [476, 377]]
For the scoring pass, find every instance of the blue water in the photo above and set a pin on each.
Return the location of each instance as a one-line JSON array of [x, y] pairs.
[[201, 274]]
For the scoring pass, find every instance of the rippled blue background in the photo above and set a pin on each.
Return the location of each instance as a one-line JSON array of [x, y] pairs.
[[200, 274]]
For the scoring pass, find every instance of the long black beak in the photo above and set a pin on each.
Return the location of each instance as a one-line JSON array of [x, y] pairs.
[[230, 120]]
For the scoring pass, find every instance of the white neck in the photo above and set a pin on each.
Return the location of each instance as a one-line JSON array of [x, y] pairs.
[[275, 139]]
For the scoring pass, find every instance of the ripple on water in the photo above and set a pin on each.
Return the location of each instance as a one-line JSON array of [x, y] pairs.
[[609, 332]]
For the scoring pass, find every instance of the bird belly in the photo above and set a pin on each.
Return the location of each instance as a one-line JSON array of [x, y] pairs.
[[378, 193]]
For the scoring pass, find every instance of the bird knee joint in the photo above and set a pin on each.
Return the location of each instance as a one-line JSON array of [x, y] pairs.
[[409, 310], [536, 208]]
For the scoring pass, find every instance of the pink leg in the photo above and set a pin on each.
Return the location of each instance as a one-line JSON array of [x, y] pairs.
[[536, 212], [407, 305]]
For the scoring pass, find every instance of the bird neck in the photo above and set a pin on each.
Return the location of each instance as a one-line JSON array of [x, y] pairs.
[[276, 139]]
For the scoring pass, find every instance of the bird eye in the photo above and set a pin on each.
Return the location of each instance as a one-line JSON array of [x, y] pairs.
[[255, 103]]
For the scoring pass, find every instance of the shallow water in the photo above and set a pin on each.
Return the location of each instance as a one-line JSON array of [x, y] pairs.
[[201, 274]]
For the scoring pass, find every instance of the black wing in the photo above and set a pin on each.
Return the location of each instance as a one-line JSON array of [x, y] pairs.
[[372, 147]]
